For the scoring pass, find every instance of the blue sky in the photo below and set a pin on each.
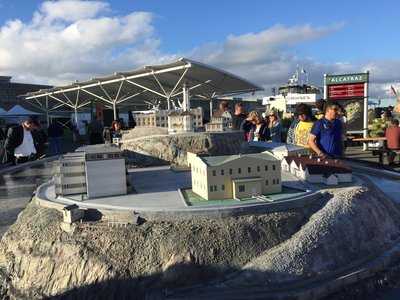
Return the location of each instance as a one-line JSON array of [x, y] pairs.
[[371, 28], [354, 35]]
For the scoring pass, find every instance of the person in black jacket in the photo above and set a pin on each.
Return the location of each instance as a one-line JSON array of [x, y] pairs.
[[20, 144], [238, 117], [258, 128], [55, 133]]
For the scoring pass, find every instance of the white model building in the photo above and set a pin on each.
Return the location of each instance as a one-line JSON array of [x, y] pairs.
[[159, 118], [235, 176], [315, 170], [284, 150], [97, 171], [180, 122], [219, 124]]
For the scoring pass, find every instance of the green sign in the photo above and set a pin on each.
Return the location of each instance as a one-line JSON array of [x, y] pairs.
[[346, 78]]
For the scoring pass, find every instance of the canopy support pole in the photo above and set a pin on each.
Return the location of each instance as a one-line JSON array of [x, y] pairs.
[[76, 116], [168, 103], [186, 97], [47, 111], [211, 108], [115, 110]]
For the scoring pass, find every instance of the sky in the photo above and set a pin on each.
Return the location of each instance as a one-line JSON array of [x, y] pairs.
[[57, 42]]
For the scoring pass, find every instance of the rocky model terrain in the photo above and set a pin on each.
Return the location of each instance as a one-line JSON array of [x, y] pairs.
[[38, 259]]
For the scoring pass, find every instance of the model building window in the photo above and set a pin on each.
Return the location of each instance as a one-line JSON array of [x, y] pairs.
[[266, 168], [273, 181], [258, 168], [223, 187], [249, 169], [273, 167], [277, 181], [266, 182], [239, 170], [211, 188], [222, 172], [230, 171], [214, 173], [215, 188], [241, 188]]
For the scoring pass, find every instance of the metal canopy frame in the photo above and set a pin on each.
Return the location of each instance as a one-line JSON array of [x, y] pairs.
[[169, 83]]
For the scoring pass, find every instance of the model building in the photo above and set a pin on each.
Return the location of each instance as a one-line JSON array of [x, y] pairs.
[[235, 176], [283, 150], [159, 118], [97, 171], [180, 122], [219, 124], [315, 170]]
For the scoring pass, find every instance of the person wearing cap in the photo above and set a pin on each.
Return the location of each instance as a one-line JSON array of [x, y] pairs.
[[19, 145], [274, 126], [304, 125]]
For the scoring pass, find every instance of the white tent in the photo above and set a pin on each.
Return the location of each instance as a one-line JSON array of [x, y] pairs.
[[170, 83], [18, 110]]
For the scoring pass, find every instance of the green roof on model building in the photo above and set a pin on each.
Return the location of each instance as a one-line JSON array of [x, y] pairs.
[[214, 161]]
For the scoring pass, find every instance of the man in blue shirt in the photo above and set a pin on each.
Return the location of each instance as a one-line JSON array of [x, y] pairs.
[[326, 135]]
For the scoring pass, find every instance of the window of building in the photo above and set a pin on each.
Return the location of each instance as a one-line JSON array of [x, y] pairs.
[[266, 182], [223, 187], [273, 181], [249, 169], [215, 188], [222, 172], [242, 188], [239, 170], [230, 171], [266, 168], [211, 188], [273, 167], [214, 173], [258, 168], [277, 181]]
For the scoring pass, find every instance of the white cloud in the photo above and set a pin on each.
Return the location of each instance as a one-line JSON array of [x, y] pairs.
[[68, 40], [69, 10]]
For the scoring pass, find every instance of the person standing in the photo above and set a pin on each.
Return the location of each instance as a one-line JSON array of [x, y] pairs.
[[258, 128], [95, 131], [303, 126], [238, 116], [319, 105], [274, 126], [392, 135], [55, 133], [19, 145], [326, 135], [114, 132], [223, 110]]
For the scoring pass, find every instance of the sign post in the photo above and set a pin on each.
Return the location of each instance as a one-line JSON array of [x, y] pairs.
[[351, 91]]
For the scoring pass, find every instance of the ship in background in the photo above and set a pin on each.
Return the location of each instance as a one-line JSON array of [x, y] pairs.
[[296, 91]]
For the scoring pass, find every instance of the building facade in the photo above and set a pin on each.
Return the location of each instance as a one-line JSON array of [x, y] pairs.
[[219, 124], [235, 176], [159, 118], [315, 170], [9, 92], [96, 171]]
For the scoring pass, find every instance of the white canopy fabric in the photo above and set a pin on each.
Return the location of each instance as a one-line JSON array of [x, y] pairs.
[[150, 85], [18, 110]]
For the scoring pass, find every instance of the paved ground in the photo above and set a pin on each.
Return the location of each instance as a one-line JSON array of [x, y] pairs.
[[16, 190]]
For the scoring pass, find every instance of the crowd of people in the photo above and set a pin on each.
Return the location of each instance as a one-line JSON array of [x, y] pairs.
[[28, 141], [322, 132]]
